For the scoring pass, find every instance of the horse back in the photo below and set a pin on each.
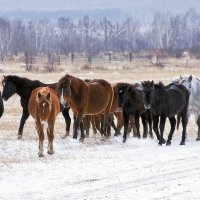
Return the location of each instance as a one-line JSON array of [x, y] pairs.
[[178, 99], [100, 95]]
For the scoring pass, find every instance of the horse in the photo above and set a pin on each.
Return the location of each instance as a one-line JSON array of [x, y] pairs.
[[131, 101], [92, 97], [23, 87], [192, 84], [1, 106], [44, 106], [166, 101]]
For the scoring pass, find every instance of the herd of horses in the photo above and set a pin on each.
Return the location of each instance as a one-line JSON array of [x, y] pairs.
[[96, 102]]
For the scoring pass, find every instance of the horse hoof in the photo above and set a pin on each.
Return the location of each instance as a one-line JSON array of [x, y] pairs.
[[81, 140], [75, 136], [87, 136], [168, 143], [64, 136], [145, 137], [19, 137], [182, 143], [198, 139], [124, 140], [163, 141], [138, 136], [50, 152], [40, 155], [116, 134], [160, 143]]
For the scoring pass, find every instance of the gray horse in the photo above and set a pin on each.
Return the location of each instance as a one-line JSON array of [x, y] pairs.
[[193, 86]]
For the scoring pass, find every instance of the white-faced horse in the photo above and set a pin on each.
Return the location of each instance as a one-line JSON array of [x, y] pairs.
[[193, 86]]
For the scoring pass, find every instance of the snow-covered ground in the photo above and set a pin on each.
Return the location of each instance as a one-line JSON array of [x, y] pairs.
[[139, 169], [96, 169]]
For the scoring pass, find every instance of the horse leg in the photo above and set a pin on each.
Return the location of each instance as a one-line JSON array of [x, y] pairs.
[[24, 117], [50, 135], [145, 127], [184, 124], [149, 119], [173, 125], [132, 125], [112, 122], [137, 124], [41, 138], [162, 127], [126, 122], [155, 126], [97, 124], [82, 132], [101, 117], [93, 125], [86, 122], [77, 125], [198, 123], [120, 123], [67, 118]]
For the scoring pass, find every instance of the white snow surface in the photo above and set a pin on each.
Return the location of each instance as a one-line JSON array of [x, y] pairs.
[[96, 169]]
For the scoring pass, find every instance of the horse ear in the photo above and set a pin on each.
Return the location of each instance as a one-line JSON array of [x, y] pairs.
[[181, 77], [48, 95], [190, 78], [39, 95], [152, 82]]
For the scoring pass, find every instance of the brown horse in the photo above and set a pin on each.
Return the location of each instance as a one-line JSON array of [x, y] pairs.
[[92, 97], [95, 119], [44, 106]]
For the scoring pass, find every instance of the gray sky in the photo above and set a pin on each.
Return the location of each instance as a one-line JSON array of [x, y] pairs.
[[178, 5]]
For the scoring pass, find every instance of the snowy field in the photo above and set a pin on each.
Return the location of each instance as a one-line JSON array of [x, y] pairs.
[[139, 169]]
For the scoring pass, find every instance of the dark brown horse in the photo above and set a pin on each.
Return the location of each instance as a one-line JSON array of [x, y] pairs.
[[44, 106], [91, 98], [130, 98]]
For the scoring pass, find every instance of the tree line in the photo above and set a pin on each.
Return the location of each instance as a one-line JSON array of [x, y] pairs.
[[166, 33]]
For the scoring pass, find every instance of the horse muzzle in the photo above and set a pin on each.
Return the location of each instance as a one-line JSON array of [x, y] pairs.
[[65, 103], [147, 106]]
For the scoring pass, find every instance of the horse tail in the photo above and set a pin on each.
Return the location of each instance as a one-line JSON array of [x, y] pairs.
[[178, 120]]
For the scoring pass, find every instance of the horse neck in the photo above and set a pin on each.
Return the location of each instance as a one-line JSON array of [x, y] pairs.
[[25, 86], [195, 93], [74, 91], [159, 95]]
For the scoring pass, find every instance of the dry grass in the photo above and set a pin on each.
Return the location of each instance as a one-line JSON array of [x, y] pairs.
[[10, 120]]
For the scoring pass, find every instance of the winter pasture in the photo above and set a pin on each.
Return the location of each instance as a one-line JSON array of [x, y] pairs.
[[138, 169]]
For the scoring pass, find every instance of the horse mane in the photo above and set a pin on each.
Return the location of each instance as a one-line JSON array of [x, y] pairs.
[[18, 80], [122, 85], [65, 78], [159, 85]]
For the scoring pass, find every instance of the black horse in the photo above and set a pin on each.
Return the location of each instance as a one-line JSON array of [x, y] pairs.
[[23, 87], [166, 101], [130, 99], [1, 106]]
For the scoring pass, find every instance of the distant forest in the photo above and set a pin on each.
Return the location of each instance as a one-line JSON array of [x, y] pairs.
[[166, 33]]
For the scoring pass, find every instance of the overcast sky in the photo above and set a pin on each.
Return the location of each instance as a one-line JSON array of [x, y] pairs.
[[178, 5]]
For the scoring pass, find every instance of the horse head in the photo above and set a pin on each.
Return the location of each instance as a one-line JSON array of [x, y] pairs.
[[121, 91], [64, 90], [148, 87], [187, 82], [9, 87], [44, 101]]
